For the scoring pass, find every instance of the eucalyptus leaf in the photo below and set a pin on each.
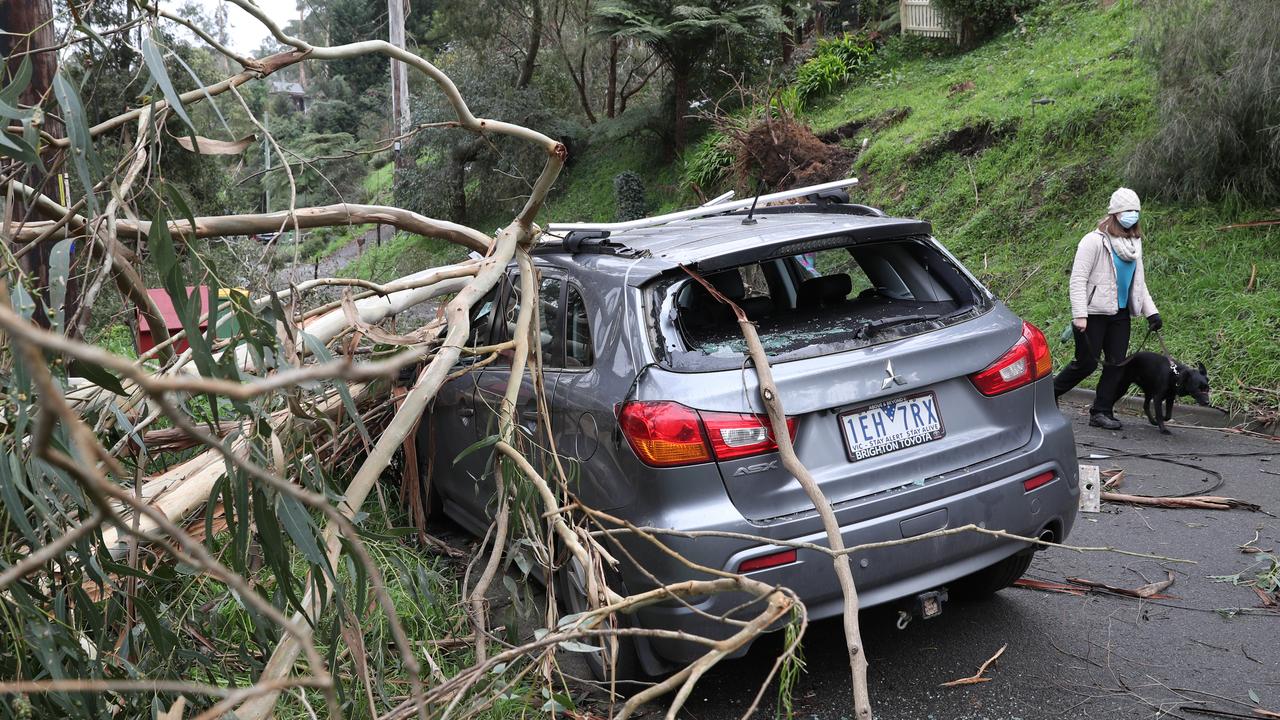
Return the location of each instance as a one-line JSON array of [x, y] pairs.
[[59, 271], [82, 155], [21, 79], [154, 59], [322, 354], [478, 445], [297, 523], [17, 148], [99, 376], [12, 112]]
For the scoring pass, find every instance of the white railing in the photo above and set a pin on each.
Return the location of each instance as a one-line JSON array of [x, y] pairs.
[[920, 17]]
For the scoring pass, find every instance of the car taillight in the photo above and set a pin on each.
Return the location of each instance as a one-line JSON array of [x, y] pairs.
[[735, 435], [668, 434], [1027, 361], [664, 434]]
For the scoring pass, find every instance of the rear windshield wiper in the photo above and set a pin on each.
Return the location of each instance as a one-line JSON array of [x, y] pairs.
[[866, 328]]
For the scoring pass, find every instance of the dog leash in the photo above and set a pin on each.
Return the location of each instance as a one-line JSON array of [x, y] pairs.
[[1142, 345]]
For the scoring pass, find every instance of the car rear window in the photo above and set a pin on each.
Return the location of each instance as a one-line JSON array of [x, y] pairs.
[[818, 302]]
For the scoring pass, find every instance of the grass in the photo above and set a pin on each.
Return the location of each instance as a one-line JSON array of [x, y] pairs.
[[1013, 212], [378, 188], [1014, 203], [584, 192], [402, 254]]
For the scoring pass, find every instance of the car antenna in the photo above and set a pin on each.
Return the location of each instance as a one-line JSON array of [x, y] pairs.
[[748, 220]]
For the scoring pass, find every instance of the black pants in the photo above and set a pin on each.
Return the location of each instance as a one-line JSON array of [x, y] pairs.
[[1103, 334]]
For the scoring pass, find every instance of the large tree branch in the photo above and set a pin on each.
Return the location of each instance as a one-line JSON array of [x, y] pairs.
[[304, 218]]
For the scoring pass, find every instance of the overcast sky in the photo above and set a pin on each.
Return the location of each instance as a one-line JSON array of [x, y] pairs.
[[246, 32]]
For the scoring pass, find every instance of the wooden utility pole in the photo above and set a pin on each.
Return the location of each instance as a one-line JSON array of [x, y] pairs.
[[27, 29], [302, 67], [399, 85]]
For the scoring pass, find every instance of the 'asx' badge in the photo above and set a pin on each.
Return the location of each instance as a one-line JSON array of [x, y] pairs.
[[892, 379]]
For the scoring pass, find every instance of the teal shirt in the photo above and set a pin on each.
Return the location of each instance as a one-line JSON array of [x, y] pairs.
[[1124, 279]]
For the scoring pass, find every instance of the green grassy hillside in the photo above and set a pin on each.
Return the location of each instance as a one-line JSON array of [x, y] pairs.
[[1011, 185]]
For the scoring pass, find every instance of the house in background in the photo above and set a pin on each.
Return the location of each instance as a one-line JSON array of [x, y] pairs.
[[294, 91]]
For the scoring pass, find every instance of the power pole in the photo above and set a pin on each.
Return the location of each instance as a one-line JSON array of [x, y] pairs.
[[302, 66], [399, 85]]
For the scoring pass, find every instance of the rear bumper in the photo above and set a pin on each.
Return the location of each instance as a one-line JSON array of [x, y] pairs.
[[989, 495]]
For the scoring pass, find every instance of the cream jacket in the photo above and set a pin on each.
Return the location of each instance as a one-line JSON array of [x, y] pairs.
[[1093, 281]]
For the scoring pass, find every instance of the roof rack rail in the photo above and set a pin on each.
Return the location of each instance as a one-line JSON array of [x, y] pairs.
[[708, 210]]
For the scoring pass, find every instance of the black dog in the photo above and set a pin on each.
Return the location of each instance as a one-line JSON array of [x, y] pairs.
[[1163, 379]]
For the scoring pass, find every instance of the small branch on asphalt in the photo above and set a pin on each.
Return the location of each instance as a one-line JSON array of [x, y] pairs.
[[1197, 502], [977, 677]]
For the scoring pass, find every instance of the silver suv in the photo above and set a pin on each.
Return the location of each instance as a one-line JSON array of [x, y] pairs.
[[916, 398]]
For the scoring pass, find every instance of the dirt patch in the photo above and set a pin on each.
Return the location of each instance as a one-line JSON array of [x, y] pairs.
[[784, 153], [968, 141], [886, 119]]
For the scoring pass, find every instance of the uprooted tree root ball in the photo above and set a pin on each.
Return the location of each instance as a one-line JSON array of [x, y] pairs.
[[782, 152]]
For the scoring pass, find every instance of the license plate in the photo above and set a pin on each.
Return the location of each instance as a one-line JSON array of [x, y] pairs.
[[891, 425]]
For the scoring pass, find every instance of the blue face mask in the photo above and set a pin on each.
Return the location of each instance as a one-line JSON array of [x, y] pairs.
[[1128, 218]]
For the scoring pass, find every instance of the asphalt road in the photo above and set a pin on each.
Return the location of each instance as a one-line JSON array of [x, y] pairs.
[[1069, 656]]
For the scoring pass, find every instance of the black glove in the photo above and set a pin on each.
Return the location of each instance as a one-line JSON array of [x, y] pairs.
[[1154, 323]]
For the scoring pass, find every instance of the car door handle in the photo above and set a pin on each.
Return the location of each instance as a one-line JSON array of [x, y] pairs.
[[531, 415], [466, 411]]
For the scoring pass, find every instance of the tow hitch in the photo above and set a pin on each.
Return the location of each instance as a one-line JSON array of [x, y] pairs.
[[927, 605]]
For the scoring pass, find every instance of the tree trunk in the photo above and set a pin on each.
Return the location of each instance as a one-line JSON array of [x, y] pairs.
[[531, 53], [612, 96], [680, 78], [457, 171], [579, 77], [28, 26]]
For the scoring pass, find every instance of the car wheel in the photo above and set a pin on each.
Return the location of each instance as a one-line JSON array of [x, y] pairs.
[[991, 580], [619, 661]]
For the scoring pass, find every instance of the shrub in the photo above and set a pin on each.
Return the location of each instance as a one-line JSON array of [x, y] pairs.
[[1219, 101], [835, 62], [855, 51], [983, 16], [820, 75], [707, 164], [628, 197]]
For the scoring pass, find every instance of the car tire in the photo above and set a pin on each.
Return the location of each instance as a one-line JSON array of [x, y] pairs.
[[991, 580], [626, 673]]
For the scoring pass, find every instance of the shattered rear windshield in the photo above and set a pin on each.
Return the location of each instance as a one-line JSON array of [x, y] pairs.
[[818, 302]]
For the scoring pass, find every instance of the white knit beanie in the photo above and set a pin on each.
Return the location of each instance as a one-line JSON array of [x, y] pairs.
[[1123, 199]]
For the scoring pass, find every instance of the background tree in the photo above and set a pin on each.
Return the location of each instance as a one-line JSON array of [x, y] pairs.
[[687, 37]]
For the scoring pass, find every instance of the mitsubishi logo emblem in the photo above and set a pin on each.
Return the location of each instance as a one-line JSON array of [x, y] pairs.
[[892, 379]]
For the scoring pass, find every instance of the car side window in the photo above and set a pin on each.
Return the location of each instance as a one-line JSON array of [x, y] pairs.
[[577, 336], [549, 318], [482, 315]]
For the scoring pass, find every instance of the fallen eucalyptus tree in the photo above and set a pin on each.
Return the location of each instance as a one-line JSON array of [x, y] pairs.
[[263, 417]]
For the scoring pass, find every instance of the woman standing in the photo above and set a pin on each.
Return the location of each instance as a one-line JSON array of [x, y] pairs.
[[1108, 287]]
